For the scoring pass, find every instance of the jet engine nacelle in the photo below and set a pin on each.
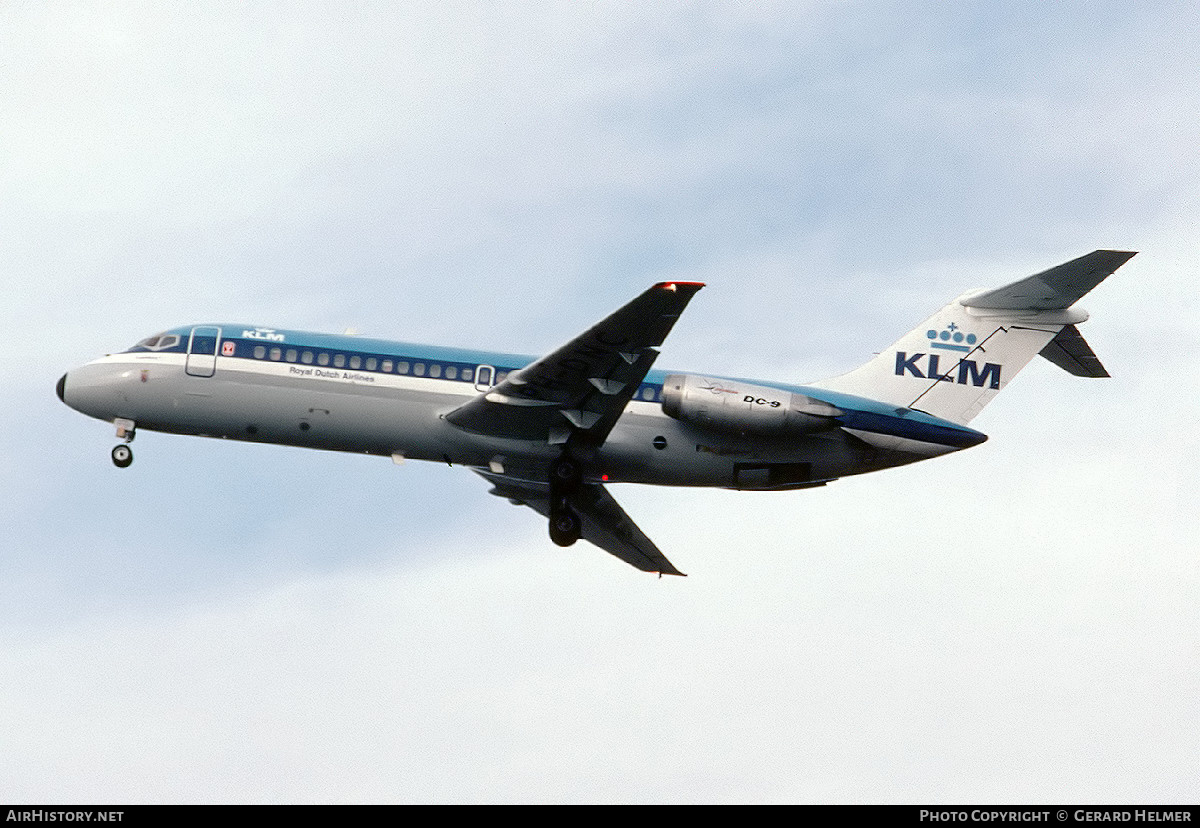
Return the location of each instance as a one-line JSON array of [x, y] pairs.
[[730, 406]]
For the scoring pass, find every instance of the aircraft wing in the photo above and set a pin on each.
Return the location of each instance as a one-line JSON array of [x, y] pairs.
[[582, 387], [604, 521]]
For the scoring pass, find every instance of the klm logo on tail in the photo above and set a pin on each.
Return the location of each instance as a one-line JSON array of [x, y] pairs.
[[951, 339], [969, 371]]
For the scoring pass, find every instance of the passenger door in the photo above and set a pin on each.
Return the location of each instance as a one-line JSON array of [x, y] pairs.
[[484, 377], [202, 351]]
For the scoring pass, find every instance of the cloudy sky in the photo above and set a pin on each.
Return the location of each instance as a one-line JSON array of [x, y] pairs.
[[233, 623]]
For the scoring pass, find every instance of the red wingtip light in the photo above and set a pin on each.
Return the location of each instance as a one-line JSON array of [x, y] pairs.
[[677, 285]]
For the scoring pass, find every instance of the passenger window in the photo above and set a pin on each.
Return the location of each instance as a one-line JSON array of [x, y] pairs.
[[451, 372], [276, 354], [501, 377], [355, 362], [648, 394], [401, 367], [419, 369], [339, 360], [322, 358], [307, 357], [291, 355], [467, 374], [435, 370], [371, 363], [260, 351], [386, 367]]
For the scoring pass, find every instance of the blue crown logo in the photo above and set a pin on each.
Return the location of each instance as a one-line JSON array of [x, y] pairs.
[[951, 339]]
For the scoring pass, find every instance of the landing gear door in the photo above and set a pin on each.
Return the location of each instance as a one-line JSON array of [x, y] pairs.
[[202, 351]]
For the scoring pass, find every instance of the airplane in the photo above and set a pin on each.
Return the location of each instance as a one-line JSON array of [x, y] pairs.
[[550, 432]]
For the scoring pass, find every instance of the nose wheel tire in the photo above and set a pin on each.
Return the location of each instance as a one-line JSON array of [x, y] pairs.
[[122, 456]]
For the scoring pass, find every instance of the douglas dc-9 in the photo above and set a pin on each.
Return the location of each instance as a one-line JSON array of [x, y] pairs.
[[549, 433]]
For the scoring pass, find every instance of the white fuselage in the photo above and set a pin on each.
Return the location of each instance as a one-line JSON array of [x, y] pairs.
[[285, 395]]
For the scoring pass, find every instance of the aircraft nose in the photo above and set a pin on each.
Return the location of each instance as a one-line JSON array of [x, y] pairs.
[[62, 384]]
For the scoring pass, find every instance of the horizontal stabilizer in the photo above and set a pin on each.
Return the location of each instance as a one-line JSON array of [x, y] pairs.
[[1056, 288], [1070, 351]]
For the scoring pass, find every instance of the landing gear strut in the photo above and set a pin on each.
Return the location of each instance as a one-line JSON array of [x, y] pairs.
[[566, 475], [122, 454]]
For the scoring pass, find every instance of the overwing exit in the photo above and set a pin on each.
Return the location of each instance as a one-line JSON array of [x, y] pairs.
[[550, 433]]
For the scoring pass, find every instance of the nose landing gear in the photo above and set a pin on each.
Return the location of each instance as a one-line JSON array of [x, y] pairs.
[[122, 454]]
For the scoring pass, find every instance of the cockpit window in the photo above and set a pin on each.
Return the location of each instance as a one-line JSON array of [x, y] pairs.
[[158, 342]]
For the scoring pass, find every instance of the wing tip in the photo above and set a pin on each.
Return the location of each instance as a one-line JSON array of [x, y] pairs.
[[679, 286]]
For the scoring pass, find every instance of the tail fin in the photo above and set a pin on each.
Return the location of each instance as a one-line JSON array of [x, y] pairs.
[[954, 363]]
